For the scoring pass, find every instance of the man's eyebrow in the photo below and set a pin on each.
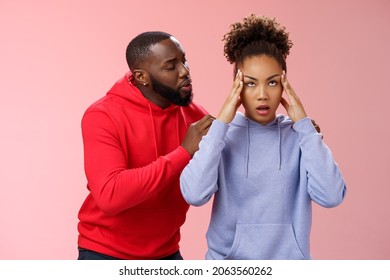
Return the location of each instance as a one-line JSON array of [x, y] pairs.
[[170, 60], [173, 59]]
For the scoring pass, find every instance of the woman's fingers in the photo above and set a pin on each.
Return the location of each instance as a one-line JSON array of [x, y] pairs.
[[233, 101], [285, 104], [294, 108]]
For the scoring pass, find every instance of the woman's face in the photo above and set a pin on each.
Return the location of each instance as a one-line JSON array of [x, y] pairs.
[[262, 89]]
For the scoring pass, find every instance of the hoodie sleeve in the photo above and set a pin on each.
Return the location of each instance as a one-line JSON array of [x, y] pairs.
[[198, 181], [114, 187], [326, 185]]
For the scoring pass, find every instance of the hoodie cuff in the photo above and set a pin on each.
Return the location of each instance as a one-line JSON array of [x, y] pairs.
[[305, 127], [218, 130], [179, 158]]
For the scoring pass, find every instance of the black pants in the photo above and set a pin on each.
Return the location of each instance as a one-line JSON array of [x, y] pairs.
[[85, 254]]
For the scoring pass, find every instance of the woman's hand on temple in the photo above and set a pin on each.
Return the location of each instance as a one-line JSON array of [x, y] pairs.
[[233, 101], [293, 106]]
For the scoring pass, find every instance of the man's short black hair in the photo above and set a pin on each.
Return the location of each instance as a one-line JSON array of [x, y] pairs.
[[139, 48]]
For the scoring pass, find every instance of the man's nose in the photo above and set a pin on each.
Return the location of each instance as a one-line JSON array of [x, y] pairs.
[[184, 69]]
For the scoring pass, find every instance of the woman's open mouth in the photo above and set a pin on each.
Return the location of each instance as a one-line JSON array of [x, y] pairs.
[[263, 110]]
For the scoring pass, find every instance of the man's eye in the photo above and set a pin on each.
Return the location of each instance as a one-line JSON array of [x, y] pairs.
[[170, 67]]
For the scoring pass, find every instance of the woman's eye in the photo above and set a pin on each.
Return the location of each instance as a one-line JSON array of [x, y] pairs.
[[250, 84], [273, 83]]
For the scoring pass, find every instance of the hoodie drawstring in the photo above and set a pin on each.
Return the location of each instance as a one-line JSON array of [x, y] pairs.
[[247, 150], [154, 130], [177, 127], [280, 146]]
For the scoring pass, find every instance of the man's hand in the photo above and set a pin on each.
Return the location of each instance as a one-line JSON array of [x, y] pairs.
[[195, 133]]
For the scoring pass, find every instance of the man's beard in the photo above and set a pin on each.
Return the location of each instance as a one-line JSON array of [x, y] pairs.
[[171, 94]]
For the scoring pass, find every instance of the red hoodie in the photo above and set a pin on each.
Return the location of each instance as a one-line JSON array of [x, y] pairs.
[[133, 160]]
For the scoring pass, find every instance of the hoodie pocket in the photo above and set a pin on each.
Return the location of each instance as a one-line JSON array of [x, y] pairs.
[[264, 242]]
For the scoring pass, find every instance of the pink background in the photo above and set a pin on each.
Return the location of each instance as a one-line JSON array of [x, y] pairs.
[[57, 57]]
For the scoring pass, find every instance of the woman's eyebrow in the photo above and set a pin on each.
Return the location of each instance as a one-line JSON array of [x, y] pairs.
[[269, 78], [273, 76], [249, 77]]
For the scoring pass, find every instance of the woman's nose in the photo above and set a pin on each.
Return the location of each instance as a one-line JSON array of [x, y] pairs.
[[262, 94]]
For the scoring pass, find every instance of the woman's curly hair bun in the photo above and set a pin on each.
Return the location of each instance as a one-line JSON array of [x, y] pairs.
[[255, 28]]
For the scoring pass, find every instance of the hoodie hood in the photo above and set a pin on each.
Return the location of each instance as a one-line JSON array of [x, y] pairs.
[[277, 124], [125, 88]]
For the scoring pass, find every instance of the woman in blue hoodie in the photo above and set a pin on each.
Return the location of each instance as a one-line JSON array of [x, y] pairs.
[[263, 169]]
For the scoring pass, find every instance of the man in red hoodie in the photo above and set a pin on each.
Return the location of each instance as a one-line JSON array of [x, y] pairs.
[[137, 140]]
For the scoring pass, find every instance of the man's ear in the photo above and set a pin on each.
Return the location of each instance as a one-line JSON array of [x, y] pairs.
[[141, 77]]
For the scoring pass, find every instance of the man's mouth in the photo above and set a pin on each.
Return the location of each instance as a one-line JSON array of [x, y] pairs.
[[187, 85]]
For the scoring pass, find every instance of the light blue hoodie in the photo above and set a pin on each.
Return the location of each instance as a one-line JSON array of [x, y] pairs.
[[263, 178]]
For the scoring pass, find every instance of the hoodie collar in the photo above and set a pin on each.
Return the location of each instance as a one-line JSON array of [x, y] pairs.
[[278, 122], [241, 120]]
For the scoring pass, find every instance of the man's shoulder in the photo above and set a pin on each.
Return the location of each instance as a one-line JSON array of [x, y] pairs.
[[194, 108], [105, 103]]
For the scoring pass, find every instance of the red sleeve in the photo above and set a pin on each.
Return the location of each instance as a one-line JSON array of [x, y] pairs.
[[114, 187]]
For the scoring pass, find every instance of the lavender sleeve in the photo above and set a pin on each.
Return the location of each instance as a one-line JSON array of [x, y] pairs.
[[198, 181], [326, 185]]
